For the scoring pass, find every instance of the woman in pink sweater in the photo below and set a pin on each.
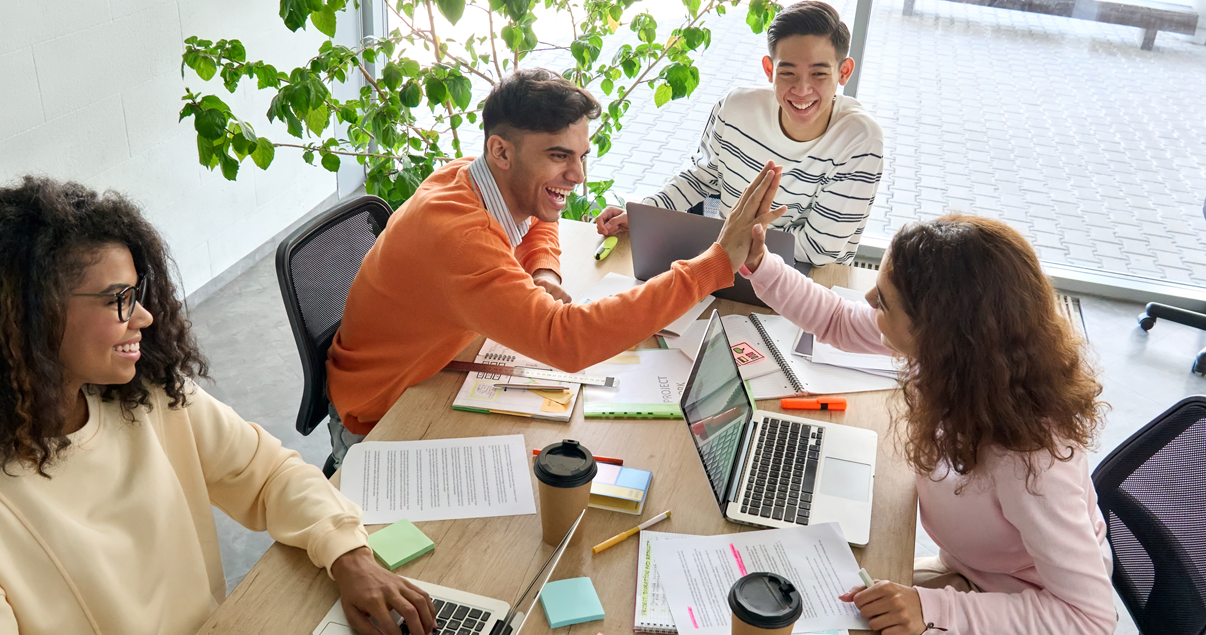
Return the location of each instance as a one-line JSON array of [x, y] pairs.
[[998, 409]]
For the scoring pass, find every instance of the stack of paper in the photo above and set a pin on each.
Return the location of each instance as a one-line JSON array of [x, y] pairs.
[[614, 283]]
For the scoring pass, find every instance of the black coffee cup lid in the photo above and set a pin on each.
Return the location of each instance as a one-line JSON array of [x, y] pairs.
[[566, 464], [765, 600]]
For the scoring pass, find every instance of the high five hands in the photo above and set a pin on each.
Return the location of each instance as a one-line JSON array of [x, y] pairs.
[[744, 234]]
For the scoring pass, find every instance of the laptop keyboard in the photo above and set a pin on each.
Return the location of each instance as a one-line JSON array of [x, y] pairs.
[[783, 471], [455, 619]]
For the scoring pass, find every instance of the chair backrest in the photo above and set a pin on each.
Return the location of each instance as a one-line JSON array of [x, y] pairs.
[[1151, 493], [315, 266]]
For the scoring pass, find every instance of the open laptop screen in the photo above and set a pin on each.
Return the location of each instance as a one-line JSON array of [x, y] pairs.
[[716, 407]]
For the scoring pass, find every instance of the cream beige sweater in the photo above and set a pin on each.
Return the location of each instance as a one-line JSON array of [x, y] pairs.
[[121, 540]]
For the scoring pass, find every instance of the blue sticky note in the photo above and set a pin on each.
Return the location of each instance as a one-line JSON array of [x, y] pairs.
[[636, 479], [571, 601]]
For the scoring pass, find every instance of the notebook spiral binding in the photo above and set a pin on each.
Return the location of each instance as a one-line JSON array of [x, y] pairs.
[[796, 384]]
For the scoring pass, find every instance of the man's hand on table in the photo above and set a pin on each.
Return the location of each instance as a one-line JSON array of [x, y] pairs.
[[368, 592], [551, 282], [754, 208], [612, 221], [893, 609]]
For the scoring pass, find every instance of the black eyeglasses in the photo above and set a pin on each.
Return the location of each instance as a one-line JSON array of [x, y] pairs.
[[125, 298]]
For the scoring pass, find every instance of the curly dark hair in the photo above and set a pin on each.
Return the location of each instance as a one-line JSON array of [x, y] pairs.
[[49, 233], [995, 364]]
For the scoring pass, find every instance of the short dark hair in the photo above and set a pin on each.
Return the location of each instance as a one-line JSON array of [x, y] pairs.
[[537, 100], [49, 233], [810, 17]]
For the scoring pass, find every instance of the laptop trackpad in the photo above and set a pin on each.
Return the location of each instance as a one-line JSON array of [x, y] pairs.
[[846, 479]]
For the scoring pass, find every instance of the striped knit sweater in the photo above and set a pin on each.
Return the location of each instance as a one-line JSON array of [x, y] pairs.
[[828, 183]]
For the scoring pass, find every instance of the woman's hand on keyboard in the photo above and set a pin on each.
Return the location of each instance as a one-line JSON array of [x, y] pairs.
[[369, 592]]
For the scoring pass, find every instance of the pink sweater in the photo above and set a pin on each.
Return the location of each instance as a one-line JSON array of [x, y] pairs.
[[1043, 561]]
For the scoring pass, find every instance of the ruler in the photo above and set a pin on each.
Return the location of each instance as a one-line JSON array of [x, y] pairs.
[[533, 373]]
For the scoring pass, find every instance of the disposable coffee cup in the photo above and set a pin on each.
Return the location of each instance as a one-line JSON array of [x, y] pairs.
[[764, 604], [564, 471]]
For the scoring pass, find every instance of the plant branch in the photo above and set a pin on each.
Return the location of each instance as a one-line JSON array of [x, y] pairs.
[[435, 42], [641, 78], [493, 51], [431, 20], [369, 78]]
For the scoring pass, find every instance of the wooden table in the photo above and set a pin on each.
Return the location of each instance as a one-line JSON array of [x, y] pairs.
[[285, 593]]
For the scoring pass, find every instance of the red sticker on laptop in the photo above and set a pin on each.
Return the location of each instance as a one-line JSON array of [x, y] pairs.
[[746, 354]]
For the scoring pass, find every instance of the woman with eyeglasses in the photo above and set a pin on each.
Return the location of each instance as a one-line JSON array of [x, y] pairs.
[[997, 413], [112, 456]]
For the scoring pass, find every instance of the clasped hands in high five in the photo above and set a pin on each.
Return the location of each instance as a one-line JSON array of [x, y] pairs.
[[744, 233]]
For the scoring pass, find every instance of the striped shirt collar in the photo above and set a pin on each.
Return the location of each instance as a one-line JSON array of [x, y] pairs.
[[487, 189]]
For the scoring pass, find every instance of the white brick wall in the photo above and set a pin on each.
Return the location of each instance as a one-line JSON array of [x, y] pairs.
[[92, 93]]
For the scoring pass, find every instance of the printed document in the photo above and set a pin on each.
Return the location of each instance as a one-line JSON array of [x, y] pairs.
[[439, 479], [697, 573]]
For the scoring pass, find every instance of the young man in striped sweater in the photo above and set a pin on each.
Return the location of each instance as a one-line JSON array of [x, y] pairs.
[[830, 147]]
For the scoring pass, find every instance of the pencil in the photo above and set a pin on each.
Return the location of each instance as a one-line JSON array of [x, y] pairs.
[[618, 538]]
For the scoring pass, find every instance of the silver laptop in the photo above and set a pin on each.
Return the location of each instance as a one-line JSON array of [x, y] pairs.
[[458, 611], [659, 237], [773, 470]]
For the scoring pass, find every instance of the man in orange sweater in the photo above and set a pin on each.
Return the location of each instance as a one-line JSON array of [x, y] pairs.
[[475, 251]]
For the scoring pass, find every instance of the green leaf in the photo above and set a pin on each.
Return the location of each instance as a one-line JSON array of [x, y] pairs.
[[607, 86], [308, 157], [263, 153], [206, 68], [602, 144], [411, 95], [436, 91], [266, 77], [330, 162], [210, 124], [461, 90], [230, 167], [324, 21], [235, 51], [318, 119], [631, 67], [391, 76], [455, 122], [211, 102], [451, 9], [720, 9], [294, 13], [472, 116], [387, 47], [409, 67], [662, 95], [205, 151]]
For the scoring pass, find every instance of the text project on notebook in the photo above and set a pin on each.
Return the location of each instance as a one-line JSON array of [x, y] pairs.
[[649, 385], [479, 393]]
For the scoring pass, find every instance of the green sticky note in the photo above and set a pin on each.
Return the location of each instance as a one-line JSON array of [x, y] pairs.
[[399, 543], [571, 601]]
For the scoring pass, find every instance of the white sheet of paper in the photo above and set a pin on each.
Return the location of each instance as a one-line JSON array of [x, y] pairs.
[[697, 573], [438, 479], [614, 283]]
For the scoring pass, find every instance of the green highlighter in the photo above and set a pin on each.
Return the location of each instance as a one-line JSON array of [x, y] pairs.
[[399, 543]]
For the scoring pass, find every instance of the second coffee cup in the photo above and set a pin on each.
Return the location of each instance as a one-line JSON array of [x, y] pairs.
[[764, 603], [565, 471]]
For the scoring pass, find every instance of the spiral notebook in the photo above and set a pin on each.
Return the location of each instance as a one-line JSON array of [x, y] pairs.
[[652, 613], [778, 373]]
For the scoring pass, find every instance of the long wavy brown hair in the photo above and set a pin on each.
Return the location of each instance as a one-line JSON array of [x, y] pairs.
[[49, 233], [994, 363]]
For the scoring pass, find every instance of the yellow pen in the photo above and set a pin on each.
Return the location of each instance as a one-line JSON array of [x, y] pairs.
[[605, 247], [617, 539]]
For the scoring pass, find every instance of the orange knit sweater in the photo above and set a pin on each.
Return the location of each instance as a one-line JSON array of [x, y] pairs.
[[443, 271]]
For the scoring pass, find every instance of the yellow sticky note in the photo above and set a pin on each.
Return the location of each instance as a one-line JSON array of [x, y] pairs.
[[561, 397], [553, 407]]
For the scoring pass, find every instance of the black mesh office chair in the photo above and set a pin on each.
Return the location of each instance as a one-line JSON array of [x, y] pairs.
[[1155, 311], [1151, 494], [315, 266]]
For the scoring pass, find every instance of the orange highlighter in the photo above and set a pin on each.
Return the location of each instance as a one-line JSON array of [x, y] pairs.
[[816, 403]]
